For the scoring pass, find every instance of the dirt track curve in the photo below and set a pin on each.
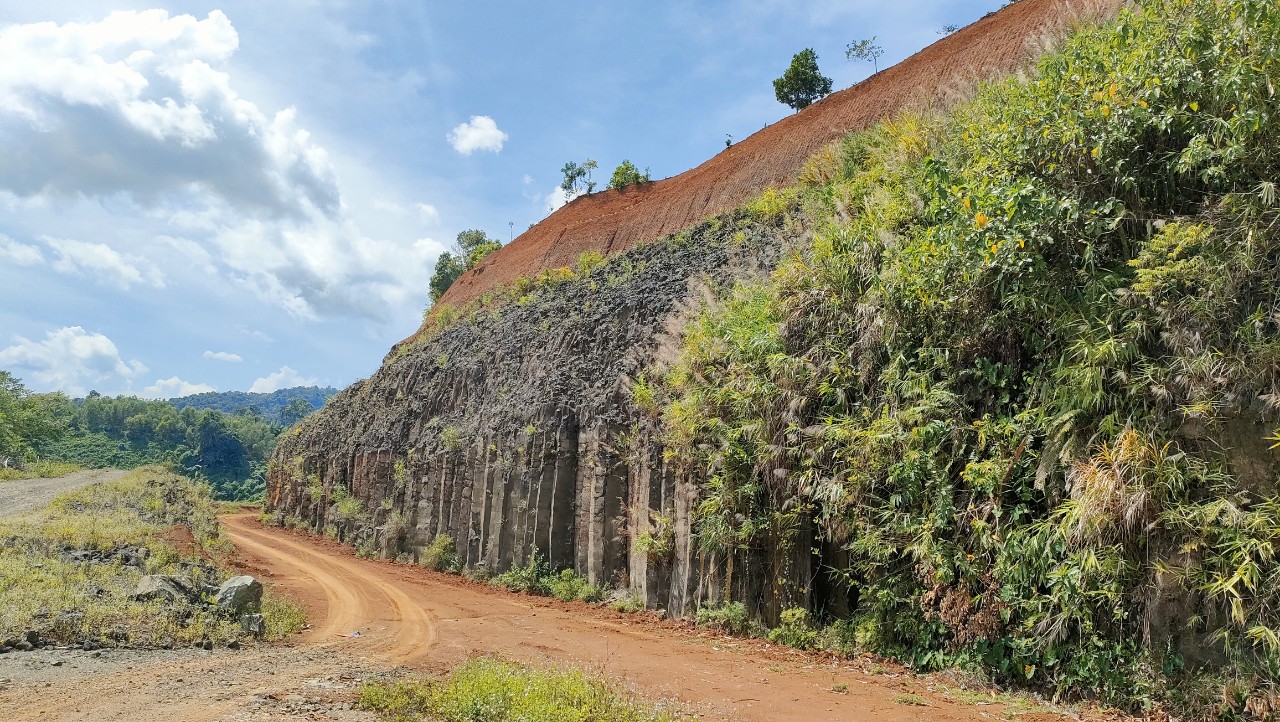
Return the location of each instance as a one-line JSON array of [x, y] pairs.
[[370, 616], [613, 221], [26, 495]]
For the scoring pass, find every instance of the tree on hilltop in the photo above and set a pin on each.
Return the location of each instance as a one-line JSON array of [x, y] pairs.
[[802, 83], [627, 174], [577, 178], [471, 247], [866, 49]]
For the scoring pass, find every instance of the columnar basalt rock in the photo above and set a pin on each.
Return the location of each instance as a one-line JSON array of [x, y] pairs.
[[513, 431]]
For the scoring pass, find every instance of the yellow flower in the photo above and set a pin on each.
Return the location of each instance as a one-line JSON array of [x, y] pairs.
[[981, 220], [995, 247], [1195, 107], [967, 206], [1022, 243], [1097, 149]]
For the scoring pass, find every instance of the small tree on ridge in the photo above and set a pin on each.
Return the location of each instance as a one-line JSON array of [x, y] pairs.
[[802, 83]]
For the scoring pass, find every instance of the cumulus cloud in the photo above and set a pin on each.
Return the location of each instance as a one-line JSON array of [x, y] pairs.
[[18, 253], [100, 261], [223, 356], [139, 106], [174, 387], [282, 379], [558, 197], [479, 133], [136, 104], [71, 359]]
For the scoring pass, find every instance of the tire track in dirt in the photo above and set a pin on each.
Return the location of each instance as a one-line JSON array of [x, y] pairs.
[[429, 622]]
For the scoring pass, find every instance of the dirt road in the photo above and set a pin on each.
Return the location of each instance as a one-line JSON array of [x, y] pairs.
[[372, 618], [24, 495]]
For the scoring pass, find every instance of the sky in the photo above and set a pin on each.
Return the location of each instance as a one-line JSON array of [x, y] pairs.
[[246, 196]]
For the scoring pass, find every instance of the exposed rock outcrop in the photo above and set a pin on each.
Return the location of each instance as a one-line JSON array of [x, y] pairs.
[[515, 431]]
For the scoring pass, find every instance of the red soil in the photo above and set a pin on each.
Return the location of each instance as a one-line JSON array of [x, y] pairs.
[[613, 221]]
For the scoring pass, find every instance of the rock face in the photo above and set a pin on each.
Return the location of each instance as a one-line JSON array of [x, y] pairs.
[[515, 431]]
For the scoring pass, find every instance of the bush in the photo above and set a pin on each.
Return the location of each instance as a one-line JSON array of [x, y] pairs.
[[440, 554], [492, 690], [530, 578], [569, 586], [794, 630], [730, 617]]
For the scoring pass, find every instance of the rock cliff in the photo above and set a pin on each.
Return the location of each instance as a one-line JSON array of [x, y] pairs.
[[513, 431]]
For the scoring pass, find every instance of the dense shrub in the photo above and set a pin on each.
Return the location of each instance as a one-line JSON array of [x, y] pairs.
[[1008, 377]]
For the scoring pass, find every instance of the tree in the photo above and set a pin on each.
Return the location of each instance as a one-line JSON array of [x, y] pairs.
[[627, 174], [470, 248], [577, 178], [296, 410], [865, 49], [802, 83]]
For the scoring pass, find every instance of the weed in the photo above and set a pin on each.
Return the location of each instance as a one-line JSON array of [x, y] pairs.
[[486, 689], [730, 617], [441, 555]]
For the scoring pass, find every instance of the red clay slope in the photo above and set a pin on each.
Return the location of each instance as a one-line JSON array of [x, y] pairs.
[[613, 221]]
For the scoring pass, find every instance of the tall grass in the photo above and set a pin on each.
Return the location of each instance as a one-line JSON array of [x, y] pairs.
[[43, 589]]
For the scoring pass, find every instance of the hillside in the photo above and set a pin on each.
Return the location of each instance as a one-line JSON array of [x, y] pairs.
[[272, 406], [992, 385], [615, 220]]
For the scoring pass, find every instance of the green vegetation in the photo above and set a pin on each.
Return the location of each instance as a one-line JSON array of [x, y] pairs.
[[39, 470], [284, 407], [228, 451], [492, 690], [470, 248], [51, 435], [27, 420], [866, 49], [627, 174], [802, 84], [69, 573], [440, 555], [577, 178], [1023, 379]]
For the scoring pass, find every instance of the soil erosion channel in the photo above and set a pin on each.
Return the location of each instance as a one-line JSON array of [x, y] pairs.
[[370, 615]]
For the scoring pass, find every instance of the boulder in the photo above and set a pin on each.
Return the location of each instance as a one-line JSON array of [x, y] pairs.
[[163, 587], [239, 595], [253, 624]]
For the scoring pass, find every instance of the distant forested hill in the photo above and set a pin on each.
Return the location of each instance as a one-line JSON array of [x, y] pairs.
[[280, 406]]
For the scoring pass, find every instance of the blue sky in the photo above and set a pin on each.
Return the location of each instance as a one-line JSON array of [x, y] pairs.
[[251, 195]]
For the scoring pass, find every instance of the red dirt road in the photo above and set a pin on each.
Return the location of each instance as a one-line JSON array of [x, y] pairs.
[[422, 623], [432, 621]]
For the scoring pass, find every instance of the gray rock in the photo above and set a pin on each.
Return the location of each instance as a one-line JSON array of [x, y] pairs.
[[24, 646], [253, 624], [240, 595], [163, 587]]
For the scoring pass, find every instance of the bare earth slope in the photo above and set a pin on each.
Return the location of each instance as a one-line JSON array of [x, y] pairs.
[[613, 221], [430, 622]]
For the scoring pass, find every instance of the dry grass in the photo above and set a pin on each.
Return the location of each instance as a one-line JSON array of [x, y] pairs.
[[43, 589]]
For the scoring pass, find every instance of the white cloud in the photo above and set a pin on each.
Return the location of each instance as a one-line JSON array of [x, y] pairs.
[[428, 212], [99, 261], [479, 133], [282, 379], [138, 107], [71, 360], [136, 104], [557, 198], [223, 356], [18, 253], [174, 387]]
